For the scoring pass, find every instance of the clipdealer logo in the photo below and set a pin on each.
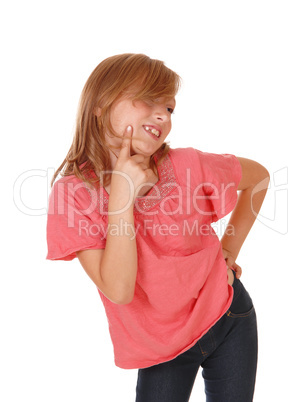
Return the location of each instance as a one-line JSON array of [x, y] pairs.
[[276, 217], [148, 227]]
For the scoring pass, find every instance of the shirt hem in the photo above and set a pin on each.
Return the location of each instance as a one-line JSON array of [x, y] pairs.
[[138, 365], [70, 254]]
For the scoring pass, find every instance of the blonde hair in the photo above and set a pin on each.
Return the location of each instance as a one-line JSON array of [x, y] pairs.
[[144, 78]]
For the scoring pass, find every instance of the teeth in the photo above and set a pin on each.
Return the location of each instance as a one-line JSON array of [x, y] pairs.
[[153, 131]]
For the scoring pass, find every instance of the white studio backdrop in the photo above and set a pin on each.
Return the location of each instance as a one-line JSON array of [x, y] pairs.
[[240, 64]]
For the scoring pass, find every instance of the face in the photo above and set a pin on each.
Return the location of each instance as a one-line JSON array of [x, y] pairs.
[[151, 122]]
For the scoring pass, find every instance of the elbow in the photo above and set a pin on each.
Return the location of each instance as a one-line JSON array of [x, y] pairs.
[[265, 177], [265, 173], [124, 301], [125, 294], [261, 175], [119, 289], [261, 184], [253, 175], [121, 297]]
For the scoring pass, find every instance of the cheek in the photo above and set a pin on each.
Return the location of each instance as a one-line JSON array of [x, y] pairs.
[[118, 123], [118, 116], [123, 119], [168, 128]]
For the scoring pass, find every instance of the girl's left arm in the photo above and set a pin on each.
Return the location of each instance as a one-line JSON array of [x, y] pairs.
[[253, 187]]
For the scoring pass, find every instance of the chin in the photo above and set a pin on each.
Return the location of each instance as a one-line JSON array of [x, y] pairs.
[[145, 149]]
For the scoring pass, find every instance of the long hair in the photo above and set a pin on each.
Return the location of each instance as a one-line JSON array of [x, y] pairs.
[[145, 78]]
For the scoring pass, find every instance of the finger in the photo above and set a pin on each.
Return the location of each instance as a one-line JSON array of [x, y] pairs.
[[237, 270], [125, 150], [236, 267], [229, 261]]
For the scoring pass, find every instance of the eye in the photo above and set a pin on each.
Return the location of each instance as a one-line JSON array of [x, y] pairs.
[[170, 110]]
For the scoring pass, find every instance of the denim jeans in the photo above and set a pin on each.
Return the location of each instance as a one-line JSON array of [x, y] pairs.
[[227, 354]]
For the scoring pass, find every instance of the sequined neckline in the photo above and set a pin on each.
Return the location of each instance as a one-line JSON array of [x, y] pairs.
[[166, 183]]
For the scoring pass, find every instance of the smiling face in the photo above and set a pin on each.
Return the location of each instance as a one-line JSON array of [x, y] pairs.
[[151, 122]]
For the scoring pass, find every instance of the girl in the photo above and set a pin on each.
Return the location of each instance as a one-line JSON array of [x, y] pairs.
[[138, 216]]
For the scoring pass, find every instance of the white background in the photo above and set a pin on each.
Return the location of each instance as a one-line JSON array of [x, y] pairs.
[[240, 64]]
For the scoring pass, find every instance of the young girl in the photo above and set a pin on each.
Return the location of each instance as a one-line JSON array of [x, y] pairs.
[[138, 216]]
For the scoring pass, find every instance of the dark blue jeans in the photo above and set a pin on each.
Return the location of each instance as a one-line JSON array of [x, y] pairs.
[[227, 353]]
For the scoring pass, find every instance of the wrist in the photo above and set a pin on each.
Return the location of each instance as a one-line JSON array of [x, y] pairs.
[[232, 243], [229, 250], [120, 204]]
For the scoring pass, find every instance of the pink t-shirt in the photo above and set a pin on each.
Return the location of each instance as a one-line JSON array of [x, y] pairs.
[[181, 288]]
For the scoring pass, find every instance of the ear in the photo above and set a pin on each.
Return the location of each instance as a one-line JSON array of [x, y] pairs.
[[97, 111]]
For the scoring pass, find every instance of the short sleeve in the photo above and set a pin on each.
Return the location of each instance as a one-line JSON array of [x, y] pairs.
[[220, 175], [73, 221]]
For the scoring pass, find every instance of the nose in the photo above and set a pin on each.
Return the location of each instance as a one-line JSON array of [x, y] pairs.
[[161, 113]]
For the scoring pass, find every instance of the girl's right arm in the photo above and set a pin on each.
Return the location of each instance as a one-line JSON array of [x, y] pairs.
[[114, 269]]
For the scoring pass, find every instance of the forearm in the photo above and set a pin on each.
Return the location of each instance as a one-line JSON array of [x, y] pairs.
[[119, 263], [243, 217]]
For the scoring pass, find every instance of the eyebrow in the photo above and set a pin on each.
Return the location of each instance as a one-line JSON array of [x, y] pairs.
[[174, 102]]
